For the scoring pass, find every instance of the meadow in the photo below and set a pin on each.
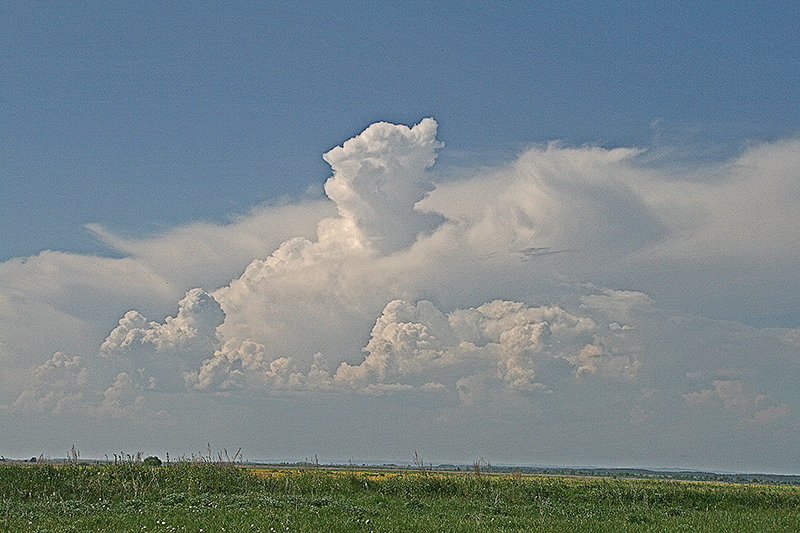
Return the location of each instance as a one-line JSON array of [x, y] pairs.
[[213, 497]]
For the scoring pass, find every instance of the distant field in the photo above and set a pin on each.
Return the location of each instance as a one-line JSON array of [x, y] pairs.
[[213, 497]]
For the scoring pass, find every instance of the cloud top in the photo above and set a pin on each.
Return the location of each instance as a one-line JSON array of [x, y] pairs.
[[378, 178]]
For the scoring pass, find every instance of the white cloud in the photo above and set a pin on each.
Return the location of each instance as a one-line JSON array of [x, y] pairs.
[[744, 210], [194, 327], [498, 297], [161, 353], [57, 301], [621, 306], [230, 367], [500, 341], [546, 197], [208, 254], [378, 178], [50, 301]]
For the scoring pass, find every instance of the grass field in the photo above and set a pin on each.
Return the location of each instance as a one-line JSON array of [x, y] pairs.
[[208, 497]]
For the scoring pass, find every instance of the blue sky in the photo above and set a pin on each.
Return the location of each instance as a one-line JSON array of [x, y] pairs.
[[366, 227], [145, 116]]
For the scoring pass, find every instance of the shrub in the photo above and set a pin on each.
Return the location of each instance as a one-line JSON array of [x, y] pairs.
[[152, 460]]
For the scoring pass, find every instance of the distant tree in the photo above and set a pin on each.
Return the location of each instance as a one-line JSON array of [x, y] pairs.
[[152, 460]]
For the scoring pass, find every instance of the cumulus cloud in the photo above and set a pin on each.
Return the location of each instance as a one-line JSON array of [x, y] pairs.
[[230, 367], [137, 358], [52, 301], [124, 399], [561, 288], [194, 325], [734, 397], [159, 353], [58, 301], [378, 178], [57, 387], [416, 345]]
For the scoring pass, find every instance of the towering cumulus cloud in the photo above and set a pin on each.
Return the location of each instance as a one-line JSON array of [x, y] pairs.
[[319, 288], [525, 302], [379, 176]]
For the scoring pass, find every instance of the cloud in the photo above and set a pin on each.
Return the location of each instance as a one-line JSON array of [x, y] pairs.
[[545, 198], [622, 306], [411, 346], [732, 396], [230, 367], [192, 328], [57, 387], [59, 302], [378, 178], [745, 208], [559, 293], [124, 399], [161, 353], [211, 254], [418, 346]]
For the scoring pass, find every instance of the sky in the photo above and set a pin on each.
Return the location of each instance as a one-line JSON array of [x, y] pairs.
[[533, 234]]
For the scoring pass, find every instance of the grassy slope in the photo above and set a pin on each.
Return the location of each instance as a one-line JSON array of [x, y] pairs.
[[213, 497]]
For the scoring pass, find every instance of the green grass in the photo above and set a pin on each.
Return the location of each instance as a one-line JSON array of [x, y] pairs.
[[217, 497]]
